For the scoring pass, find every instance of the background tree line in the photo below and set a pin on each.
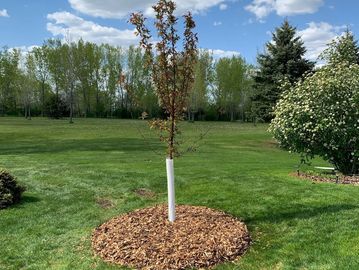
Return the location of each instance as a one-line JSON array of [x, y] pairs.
[[83, 79]]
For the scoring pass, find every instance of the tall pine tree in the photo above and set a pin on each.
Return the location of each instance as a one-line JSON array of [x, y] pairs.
[[283, 59]]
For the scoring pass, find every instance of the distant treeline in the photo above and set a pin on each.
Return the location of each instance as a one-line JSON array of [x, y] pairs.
[[83, 79]]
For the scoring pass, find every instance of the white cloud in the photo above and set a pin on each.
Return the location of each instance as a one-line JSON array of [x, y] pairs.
[[221, 53], [293, 7], [3, 13], [65, 23], [122, 8], [317, 36], [262, 8], [217, 23], [223, 6]]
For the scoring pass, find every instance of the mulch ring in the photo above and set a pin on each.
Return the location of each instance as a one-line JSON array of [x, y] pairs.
[[342, 179], [144, 239]]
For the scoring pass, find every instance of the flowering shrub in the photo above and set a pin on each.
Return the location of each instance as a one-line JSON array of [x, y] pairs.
[[320, 116]]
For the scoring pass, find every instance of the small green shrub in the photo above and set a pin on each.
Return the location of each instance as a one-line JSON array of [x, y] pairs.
[[10, 190]]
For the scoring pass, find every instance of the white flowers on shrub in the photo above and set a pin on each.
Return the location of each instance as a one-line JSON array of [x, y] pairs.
[[320, 116]]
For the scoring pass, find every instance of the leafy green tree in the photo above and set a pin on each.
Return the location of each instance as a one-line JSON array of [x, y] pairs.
[[41, 72], [283, 59], [9, 80], [68, 61], [28, 85], [203, 80], [112, 68], [232, 82], [138, 82], [56, 69]]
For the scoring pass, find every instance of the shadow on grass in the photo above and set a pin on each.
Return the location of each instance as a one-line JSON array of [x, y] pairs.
[[26, 199], [304, 213], [58, 146]]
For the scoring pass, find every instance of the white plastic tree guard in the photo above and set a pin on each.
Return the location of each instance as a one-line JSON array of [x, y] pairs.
[[171, 190]]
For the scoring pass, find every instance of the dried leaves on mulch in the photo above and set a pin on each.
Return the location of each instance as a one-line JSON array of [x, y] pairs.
[[343, 179], [144, 239]]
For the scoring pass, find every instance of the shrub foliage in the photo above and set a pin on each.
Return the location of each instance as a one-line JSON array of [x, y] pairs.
[[320, 116], [10, 190]]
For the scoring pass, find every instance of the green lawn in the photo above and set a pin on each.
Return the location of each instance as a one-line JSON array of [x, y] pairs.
[[294, 224]]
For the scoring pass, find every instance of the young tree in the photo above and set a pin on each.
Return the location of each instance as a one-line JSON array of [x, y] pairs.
[[172, 75], [283, 59]]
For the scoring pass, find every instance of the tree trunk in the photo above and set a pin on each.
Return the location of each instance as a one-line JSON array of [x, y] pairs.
[[57, 115], [42, 98], [232, 115], [71, 105], [85, 101]]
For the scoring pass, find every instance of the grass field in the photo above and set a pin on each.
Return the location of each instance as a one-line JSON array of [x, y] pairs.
[[238, 169]]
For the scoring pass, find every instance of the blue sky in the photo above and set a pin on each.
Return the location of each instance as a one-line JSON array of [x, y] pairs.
[[225, 26]]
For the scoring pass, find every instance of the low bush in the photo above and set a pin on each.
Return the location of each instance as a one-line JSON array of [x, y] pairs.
[[10, 190]]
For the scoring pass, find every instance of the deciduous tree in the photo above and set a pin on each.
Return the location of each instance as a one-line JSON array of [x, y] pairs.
[[172, 75]]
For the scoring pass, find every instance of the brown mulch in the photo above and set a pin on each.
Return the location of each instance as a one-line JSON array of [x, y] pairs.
[[144, 239], [342, 179]]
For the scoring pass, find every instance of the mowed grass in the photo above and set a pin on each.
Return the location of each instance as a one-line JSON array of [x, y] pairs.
[[67, 168]]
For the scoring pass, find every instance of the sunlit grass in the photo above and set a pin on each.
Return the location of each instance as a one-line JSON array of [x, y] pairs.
[[238, 168]]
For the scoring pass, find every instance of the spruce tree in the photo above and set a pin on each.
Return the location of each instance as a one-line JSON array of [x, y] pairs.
[[283, 59], [343, 48]]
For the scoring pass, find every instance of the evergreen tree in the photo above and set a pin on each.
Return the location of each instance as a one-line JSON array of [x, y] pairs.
[[343, 48], [283, 59]]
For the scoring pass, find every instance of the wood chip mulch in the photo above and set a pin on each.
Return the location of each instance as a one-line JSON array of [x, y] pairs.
[[343, 179], [144, 239]]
